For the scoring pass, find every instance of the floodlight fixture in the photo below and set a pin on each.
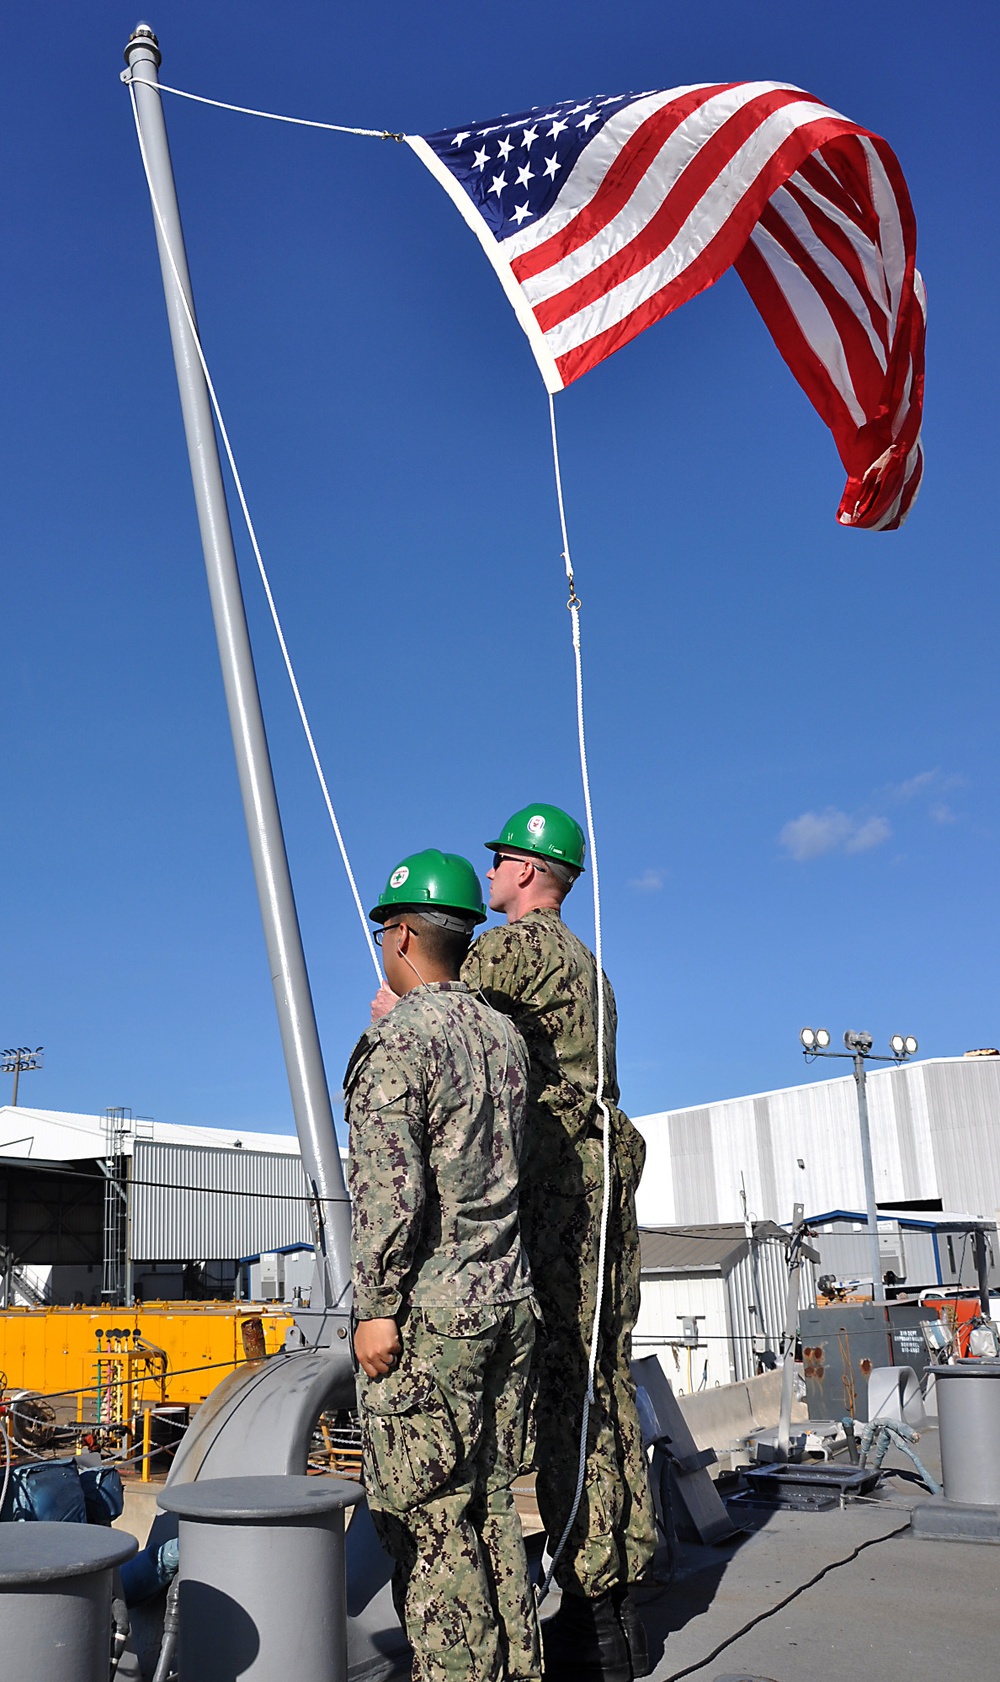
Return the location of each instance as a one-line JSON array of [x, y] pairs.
[[858, 1048]]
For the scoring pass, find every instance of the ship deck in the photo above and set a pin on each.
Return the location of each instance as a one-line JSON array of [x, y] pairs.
[[837, 1596]]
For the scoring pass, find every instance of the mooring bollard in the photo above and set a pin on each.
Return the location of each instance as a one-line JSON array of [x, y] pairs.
[[55, 1600], [969, 1420], [261, 1581]]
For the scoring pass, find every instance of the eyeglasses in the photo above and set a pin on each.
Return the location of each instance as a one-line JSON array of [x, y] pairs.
[[378, 935], [515, 858]]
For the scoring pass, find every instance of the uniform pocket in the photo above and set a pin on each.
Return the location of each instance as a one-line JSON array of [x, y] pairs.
[[410, 1442]]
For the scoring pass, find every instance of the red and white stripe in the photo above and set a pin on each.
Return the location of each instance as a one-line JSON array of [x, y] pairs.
[[812, 210]]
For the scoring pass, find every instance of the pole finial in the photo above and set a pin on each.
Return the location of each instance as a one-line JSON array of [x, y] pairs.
[[143, 36]]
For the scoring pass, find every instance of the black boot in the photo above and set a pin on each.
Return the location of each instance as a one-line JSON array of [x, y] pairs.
[[635, 1634], [585, 1642]]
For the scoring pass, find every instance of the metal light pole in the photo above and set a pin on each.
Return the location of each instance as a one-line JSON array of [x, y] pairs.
[[18, 1060], [296, 1016], [878, 1292], [859, 1051]]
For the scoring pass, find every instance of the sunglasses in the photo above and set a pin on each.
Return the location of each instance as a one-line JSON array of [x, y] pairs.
[[498, 859]]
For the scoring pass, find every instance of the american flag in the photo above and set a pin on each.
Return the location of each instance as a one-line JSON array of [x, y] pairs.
[[602, 215]]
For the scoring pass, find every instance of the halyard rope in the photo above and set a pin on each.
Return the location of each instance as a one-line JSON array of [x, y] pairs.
[[253, 537], [574, 604], [128, 77]]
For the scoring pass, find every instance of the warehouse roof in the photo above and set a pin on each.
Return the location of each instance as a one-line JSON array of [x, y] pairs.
[[932, 1222], [700, 1249], [62, 1136]]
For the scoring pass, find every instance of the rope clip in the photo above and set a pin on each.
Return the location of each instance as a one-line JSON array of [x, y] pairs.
[[387, 134]]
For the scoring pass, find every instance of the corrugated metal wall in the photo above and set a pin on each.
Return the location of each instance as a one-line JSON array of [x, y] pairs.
[[742, 1314], [756, 1289], [935, 1134], [246, 1201], [657, 1329]]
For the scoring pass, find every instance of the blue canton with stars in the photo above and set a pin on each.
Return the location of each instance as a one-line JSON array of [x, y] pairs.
[[514, 167]]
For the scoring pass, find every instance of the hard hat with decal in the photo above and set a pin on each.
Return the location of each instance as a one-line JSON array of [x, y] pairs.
[[441, 882], [546, 830]]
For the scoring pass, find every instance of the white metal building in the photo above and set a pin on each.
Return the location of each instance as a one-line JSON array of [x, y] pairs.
[[935, 1128], [194, 1195], [713, 1300]]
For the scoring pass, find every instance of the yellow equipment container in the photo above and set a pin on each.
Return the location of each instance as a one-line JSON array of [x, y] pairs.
[[56, 1350]]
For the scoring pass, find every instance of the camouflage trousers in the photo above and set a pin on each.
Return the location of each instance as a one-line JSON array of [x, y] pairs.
[[613, 1538], [444, 1436]]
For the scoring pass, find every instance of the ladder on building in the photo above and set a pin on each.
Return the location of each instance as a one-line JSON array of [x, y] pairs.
[[115, 1282]]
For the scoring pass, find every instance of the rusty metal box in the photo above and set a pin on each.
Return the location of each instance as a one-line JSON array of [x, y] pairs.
[[840, 1346]]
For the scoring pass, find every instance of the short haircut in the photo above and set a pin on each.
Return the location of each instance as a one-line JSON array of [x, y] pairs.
[[563, 875], [447, 947]]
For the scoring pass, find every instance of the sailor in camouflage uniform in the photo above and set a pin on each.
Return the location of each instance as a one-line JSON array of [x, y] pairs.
[[536, 970], [435, 1096]]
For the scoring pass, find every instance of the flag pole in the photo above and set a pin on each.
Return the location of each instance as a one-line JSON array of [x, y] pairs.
[[293, 997]]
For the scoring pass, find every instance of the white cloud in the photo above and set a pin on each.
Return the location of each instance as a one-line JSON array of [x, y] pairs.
[[869, 834], [834, 831], [924, 783], [942, 813], [831, 831], [650, 882], [816, 833], [912, 786]]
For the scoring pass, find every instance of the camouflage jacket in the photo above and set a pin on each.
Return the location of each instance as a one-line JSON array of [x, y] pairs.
[[540, 974], [435, 1096]]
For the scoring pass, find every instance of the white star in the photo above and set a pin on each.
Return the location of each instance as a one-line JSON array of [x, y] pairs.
[[588, 122], [520, 213], [577, 108], [557, 128], [460, 139], [494, 130], [499, 183], [552, 167], [480, 159], [524, 175], [528, 138], [506, 147]]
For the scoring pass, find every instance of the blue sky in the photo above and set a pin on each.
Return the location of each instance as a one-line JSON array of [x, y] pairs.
[[793, 727]]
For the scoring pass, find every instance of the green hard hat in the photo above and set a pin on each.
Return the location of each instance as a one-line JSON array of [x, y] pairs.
[[546, 830], [440, 881]]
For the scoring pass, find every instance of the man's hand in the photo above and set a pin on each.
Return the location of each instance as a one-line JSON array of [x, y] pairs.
[[377, 1346], [383, 1002]]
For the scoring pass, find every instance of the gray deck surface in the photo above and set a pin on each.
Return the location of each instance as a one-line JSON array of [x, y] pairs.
[[889, 1607]]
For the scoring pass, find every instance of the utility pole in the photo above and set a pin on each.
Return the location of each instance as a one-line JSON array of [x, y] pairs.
[[19, 1060], [293, 998]]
